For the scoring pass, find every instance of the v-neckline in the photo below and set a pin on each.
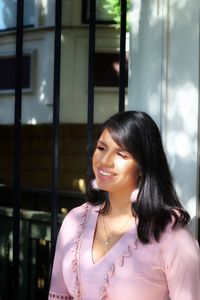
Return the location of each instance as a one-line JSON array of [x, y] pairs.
[[116, 250]]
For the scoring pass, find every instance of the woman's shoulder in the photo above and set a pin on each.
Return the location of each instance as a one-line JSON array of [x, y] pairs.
[[177, 233], [179, 242], [79, 209], [73, 221], [75, 215]]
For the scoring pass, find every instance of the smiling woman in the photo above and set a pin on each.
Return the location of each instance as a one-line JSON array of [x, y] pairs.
[[130, 240], [112, 167]]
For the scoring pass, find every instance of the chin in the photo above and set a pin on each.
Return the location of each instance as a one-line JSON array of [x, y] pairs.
[[98, 186]]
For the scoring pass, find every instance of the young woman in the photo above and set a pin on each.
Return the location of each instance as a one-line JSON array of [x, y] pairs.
[[129, 241]]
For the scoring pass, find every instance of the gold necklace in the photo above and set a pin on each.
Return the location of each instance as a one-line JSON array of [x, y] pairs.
[[107, 241], [109, 236]]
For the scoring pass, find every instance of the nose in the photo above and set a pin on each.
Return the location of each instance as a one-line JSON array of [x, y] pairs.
[[107, 160]]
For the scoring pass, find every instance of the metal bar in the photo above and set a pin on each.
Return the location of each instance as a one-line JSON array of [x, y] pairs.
[[90, 111], [122, 66], [198, 205], [56, 107], [17, 149]]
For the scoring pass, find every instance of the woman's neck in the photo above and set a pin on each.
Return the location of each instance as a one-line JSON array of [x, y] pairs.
[[120, 204]]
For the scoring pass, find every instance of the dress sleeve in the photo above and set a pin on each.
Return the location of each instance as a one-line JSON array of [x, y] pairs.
[[58, 289], [183, 266]]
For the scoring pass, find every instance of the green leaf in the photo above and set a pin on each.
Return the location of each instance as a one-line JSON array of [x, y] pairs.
[[113, 7]]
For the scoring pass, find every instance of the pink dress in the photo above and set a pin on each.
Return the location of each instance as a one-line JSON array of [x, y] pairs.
[[130, 270]]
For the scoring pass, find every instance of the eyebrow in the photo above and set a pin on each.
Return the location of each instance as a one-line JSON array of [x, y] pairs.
[[100, 142]]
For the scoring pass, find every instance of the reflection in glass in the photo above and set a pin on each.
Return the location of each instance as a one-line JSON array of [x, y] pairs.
[[8, 10]]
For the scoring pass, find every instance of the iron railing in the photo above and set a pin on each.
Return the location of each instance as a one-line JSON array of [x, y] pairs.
[[16, 216], [17, 148]]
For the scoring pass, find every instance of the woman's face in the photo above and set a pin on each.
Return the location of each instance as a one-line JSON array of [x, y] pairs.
[[115, 169]]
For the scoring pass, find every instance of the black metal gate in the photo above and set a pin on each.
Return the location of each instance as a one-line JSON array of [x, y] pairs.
[[56, 99]]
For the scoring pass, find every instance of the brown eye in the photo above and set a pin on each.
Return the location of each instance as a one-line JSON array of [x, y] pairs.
[[101, 148]]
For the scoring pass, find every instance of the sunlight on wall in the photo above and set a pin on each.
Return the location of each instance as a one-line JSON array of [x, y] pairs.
[[179, 7], [181, 141], [182, 118], [63, 39], [182, 145], [32, 121], [44, 7], [135, 18], [42, 91], [179, 3], [191, 208], [183, 104], [153, 100], [164, 82]]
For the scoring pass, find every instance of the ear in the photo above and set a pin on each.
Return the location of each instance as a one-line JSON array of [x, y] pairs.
[[134, 195]]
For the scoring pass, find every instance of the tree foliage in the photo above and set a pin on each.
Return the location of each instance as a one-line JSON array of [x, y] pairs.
[[113, 7]]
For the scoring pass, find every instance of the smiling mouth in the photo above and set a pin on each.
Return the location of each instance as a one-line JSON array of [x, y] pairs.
[[105, 173]]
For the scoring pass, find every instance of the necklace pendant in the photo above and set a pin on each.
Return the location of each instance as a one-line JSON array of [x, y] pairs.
[[107, 242]]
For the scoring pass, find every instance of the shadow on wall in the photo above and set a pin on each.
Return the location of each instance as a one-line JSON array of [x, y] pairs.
[[165, 84]]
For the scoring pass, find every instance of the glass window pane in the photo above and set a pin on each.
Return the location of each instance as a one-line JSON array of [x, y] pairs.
[[8, 13]]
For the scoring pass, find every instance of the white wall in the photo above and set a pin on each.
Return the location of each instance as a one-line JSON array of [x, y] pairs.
[[164, 82]]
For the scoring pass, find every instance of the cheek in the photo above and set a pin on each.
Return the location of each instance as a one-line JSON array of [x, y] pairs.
[[127, 167], [133, 171]]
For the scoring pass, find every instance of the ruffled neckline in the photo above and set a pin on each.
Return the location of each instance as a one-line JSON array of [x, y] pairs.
[[115, 256], [117, 248]]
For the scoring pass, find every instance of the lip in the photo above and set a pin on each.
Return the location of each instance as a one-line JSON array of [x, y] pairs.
[[105, 173]]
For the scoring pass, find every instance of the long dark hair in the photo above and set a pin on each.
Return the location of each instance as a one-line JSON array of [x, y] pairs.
[[157, 202]]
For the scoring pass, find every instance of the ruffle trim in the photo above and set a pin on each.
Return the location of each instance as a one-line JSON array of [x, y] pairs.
[[111, 271], [75, 249], [54, 296], [103, 295]]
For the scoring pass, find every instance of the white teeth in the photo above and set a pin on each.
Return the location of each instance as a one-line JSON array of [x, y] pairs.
[[104, 173]]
